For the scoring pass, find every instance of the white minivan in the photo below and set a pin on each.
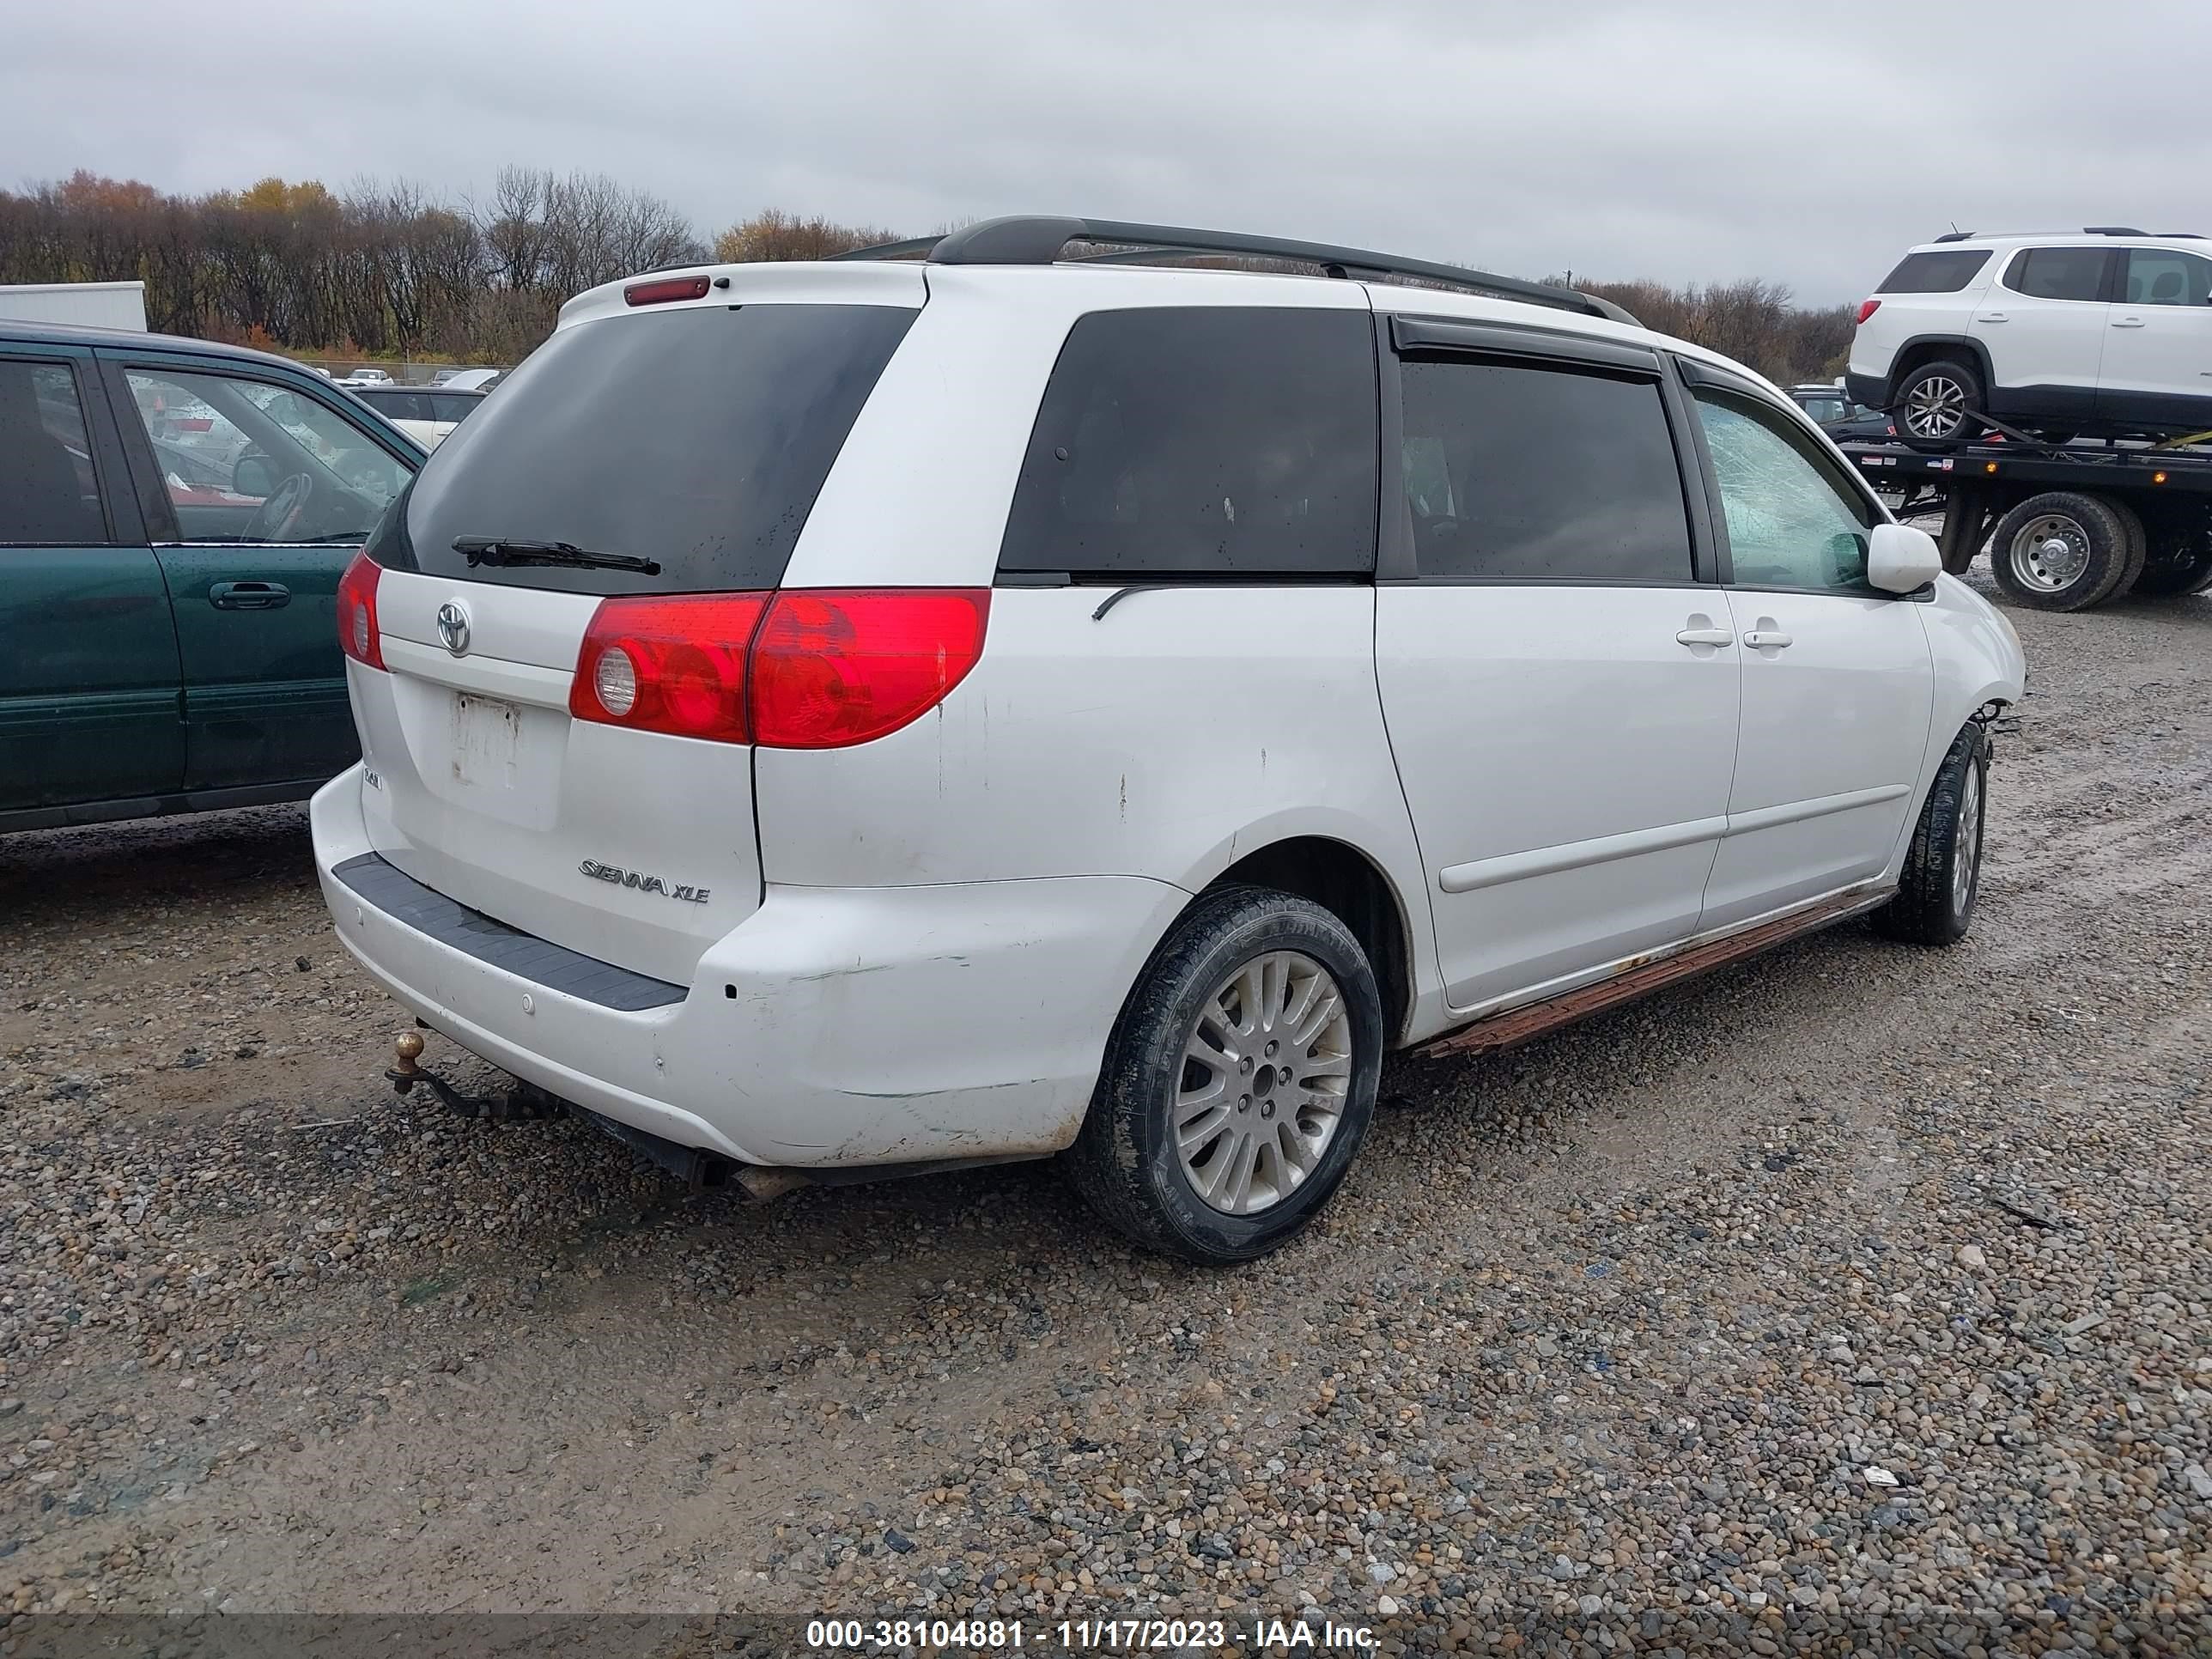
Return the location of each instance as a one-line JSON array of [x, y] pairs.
[[898, 713]]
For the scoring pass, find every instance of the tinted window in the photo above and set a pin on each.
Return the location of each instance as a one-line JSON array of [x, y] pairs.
[[1792, 522], [397, 405], [1207, 440], [2057, 273], [47, 491], [696, 437], [1520, 472], [2159, 277], [451, 405], [1824, 408], [1944, 271]]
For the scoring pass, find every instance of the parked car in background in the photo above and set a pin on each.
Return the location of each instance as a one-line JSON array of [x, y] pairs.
[[2105, 332], [1832, 409], [1821, 403], [425, 413], [473, 379], [361, 377], [976, 710], [174, 517]]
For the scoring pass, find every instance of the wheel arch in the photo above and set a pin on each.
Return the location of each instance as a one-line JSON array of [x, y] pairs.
[[1931, 348], [1352, 886]]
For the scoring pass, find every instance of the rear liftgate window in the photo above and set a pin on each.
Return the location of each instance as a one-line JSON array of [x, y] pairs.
[[695, 438], [1203, 441], [1947, 272]]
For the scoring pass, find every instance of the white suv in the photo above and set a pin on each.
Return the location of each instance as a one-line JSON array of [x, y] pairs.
[[882, 715], [2107, 332]]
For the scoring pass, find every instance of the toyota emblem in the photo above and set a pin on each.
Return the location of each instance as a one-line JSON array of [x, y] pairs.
[[453, 627]]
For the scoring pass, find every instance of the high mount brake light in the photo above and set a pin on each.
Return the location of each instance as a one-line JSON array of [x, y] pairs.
[[359, 635], [798, 669], [660, 293]]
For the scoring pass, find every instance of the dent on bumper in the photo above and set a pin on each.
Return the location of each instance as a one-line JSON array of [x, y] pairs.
[[834, 1026]]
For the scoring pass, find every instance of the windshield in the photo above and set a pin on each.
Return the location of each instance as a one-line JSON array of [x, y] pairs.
[[697, 439]]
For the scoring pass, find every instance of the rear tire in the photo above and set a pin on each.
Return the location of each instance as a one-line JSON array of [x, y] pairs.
[[2180, 559], [1943, 875], [2138, 551], [1937, 407], [2062, 551], [1168, 1132]]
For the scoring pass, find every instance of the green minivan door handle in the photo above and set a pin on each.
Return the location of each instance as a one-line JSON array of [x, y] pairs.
[[249, 596]]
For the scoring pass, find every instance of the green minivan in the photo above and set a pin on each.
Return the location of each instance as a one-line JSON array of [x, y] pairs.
[[174, 517]]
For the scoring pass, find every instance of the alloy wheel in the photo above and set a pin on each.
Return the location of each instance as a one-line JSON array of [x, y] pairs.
[[1265, 1068]]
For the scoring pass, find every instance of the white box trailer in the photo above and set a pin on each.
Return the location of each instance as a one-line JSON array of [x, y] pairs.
[[94, 305]]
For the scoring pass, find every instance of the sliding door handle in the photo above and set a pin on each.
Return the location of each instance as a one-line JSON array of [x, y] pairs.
[[1766, 639]]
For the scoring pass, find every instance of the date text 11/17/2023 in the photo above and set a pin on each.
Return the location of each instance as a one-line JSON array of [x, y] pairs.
[[1087, 1635]]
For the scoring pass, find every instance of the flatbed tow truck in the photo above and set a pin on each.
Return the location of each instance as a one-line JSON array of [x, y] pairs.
[[2068, 525]]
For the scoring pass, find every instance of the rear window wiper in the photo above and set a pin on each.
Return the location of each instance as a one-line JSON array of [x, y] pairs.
[[493, 550]]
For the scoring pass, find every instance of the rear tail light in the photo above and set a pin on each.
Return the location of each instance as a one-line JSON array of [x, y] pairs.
[[359, 636], [799, 669], [1868, 307], [672, 287], [674, 665], [836, 668]]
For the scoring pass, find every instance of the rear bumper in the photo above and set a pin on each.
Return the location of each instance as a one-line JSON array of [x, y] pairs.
[[833, 1027], [1870, 390]]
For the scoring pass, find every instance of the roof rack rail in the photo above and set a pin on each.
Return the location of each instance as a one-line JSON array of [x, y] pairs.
[[1040, 240], [2113, 230]]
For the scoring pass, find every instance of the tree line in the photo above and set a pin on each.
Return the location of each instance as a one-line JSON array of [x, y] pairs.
[[394, 269]]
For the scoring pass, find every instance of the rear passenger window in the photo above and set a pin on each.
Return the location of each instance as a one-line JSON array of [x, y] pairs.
[[1520, 473], [1934, 272], [2057, 273], [1203, 440], [47, 491]]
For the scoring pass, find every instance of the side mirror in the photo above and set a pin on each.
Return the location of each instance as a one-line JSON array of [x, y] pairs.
[[1902, 560], [253, 476]]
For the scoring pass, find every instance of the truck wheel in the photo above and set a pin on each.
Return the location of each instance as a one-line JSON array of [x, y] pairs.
[[2138, 549], [2180, 562], [1936, 406], [1238, 1081], [2061, 551], [1943, 875]]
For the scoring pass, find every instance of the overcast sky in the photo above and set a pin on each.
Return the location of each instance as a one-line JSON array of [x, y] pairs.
[[1679, 139]]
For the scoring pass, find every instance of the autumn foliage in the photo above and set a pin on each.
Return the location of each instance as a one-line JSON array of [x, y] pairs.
[[393, 270]]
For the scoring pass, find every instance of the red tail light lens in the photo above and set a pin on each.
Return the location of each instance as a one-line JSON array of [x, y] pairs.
[[832, 668], [673, 287], [804, 669], [675, 666], [1868, 307], [359, 636]]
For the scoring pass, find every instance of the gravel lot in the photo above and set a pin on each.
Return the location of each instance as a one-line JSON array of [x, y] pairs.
[[1619, 1331]]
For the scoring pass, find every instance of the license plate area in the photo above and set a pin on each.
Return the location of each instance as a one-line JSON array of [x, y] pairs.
[[486, 749]]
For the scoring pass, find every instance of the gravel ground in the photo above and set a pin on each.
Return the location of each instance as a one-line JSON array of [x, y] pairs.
[[1856, 1284]]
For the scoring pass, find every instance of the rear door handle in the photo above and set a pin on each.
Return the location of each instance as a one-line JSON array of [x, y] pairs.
[[1766, 639], [249, 596], [1703, 636], [1993, 317], [2127, 322]]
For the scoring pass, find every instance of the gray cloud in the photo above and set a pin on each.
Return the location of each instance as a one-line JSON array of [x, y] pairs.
[[1688, 141]]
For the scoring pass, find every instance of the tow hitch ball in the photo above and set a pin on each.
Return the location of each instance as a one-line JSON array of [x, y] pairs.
[[524, 1101]]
